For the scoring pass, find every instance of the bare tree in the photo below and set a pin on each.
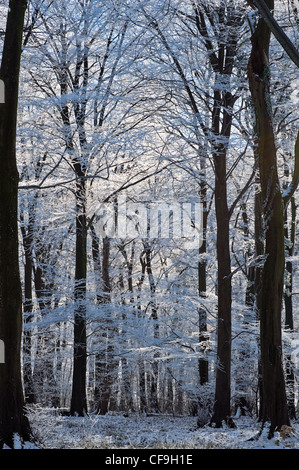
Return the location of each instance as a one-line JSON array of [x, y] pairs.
[[14, 424], [275, 407]]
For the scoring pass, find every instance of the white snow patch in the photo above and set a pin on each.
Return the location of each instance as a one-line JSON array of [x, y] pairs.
[[116, 431]]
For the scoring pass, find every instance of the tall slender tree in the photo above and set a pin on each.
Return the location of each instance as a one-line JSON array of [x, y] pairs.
[[226, 16], [275, 407], [14, 424]]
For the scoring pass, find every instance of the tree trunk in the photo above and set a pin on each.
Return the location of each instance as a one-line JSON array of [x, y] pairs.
[[222, 410], [222, 62], [275, 407], [203, 363], [79, 398], [13, 421], [223, 102]]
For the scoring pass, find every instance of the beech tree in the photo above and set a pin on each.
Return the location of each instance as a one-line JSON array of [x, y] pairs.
[[14, 424], [275, 407]]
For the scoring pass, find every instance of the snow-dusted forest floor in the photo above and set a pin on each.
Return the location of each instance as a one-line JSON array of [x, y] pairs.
[[55, 431]]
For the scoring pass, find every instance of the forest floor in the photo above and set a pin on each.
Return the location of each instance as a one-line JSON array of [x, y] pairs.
[[116, 431]]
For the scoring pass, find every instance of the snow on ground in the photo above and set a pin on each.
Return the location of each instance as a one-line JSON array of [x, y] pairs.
[[116, 431]]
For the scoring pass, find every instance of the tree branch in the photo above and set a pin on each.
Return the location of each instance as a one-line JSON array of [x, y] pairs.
[[274, 27]]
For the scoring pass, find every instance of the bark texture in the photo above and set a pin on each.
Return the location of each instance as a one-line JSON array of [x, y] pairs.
[[275, 409], [13, 421]]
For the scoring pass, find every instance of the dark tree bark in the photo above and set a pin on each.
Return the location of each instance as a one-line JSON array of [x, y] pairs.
[[275, 408], [222, 406], [79, 398], [223, 102], [13, 420], [203, 363], [203, 410]]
